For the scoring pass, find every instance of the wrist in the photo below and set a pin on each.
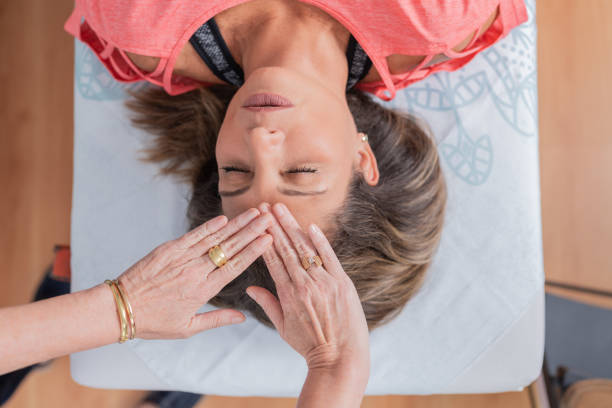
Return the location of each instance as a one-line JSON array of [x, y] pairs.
[[350, 367], [353, 372], [109, 325], [330, 357]]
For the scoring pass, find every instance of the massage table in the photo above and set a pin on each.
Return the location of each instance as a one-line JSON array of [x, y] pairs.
[[476, 325]]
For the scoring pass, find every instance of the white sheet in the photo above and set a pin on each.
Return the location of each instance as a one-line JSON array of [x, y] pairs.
[[487, 273]]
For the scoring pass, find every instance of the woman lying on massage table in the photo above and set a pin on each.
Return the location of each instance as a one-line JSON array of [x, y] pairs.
[[317, 312], [259, 104]]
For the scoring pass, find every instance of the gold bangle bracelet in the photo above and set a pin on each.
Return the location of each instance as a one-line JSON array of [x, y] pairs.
[[120, 311], [129, 308]]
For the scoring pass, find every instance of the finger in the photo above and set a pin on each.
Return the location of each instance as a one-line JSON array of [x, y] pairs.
[[276, 267], [330, 260], [299, 239], [202, 231], [235, 225], [269, 303], [275, 264], [214, 319], [287, 253], [246, 235], [235, 266]]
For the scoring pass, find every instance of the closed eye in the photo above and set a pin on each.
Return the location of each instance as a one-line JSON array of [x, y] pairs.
[[229, 169], [303, 170]]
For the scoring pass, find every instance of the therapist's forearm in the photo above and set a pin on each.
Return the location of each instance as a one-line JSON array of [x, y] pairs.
[[342, 387], [57, 326]]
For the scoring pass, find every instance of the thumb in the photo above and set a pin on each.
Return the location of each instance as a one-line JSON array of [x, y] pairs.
[[214, 319], [269, 303]]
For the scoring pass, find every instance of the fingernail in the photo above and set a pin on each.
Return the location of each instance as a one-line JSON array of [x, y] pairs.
[[238, 319], [315, 229], [219, 221]]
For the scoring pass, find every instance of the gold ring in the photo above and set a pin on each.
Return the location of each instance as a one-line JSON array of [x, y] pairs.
[[217, 256], [307, 261]]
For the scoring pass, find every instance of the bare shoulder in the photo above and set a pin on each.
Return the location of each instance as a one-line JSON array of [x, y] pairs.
[[188, 64], [403, 63], [144, 62]]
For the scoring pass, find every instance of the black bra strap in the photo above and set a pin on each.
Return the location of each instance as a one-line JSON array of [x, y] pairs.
[[358, 62], [211, 47]]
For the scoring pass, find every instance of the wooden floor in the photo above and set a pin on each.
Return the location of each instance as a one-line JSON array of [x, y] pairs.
[[575, 63]]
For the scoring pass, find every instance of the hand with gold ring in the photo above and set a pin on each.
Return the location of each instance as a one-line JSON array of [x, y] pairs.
[[318, 311], [168, 286], [217, 255]]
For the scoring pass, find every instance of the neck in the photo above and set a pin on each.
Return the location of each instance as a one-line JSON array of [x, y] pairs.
[[303, 44]]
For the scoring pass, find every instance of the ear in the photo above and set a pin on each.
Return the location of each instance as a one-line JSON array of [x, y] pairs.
[[366, 161]]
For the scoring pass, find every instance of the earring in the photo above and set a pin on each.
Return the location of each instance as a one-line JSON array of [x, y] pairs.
[[364, 138]]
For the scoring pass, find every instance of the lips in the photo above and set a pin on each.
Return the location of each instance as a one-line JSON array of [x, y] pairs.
[[266, 102]]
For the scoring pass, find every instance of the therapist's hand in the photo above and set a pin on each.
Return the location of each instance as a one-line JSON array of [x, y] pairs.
[[318, 312], [168, 286]]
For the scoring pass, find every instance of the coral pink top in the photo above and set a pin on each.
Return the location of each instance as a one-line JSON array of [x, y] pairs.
[[382, 27]]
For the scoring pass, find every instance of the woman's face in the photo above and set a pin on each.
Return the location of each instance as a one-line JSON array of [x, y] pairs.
[[303, 156]]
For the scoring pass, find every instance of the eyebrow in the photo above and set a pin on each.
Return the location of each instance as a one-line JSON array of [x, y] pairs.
[[284, 191]]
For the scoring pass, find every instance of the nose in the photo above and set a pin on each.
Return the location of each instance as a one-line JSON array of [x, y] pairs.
[[264, 140], [265, 145]]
